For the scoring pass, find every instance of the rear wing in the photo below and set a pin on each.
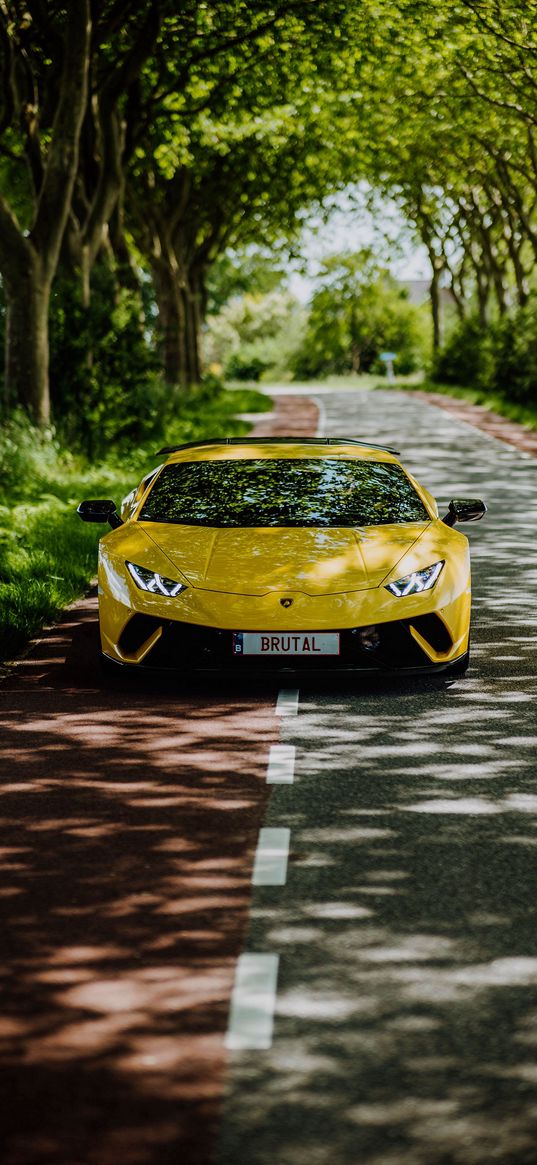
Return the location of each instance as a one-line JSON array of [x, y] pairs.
[[276, 441]]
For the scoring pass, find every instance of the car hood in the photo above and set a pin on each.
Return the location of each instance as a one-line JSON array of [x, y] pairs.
[[256, 561]]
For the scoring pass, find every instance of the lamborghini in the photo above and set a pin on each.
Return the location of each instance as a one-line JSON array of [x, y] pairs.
[[294, 553]]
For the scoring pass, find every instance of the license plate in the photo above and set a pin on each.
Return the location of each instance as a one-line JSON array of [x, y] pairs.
[[310, 643]]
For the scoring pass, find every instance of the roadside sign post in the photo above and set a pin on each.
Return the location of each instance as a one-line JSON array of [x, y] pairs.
[[388, 359]]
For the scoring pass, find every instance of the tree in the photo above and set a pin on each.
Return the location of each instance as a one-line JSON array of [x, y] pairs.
[[41, 118], [124, 36], [358, 311], [463, 165], [235, 156]]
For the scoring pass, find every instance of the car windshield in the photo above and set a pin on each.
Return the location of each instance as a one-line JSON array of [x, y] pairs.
[[283, 492]]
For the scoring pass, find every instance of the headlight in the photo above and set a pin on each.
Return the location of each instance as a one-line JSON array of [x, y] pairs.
[[413, 584], [149, 580]]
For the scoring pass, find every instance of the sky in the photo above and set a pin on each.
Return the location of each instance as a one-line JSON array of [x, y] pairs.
[[350, 225]]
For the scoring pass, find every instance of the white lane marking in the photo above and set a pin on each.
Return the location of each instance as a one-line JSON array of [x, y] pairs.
[[251, 1016], [287, 702], [281, 765], [271, 856]]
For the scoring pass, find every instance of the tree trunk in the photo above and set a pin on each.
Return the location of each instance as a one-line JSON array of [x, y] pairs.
[[29, 260], [193, 329], [434, 292], [499, 289], [27, 343], [171, 325], [179, 324], [482, 303], [458, 298], [496, 275], [521, 281], [355, 358], [126, 271]]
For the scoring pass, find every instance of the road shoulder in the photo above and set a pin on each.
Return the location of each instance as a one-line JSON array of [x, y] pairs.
[[484, 419]]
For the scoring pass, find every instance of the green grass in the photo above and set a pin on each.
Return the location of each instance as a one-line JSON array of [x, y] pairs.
[[47, 555], [339, 382], [366, 380], [523, 414]]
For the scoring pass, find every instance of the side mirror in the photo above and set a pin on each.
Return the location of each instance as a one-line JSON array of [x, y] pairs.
[[464, 510], [99, 511]]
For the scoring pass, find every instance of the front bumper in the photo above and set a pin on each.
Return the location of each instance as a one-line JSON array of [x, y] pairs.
[[423, 644]]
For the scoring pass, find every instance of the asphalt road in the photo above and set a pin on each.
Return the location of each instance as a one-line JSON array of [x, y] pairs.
[[405, 1026], [402, 930]]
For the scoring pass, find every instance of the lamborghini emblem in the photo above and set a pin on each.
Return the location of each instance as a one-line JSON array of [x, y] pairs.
[[286, 602]]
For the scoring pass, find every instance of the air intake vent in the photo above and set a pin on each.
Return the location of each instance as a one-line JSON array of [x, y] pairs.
[[434, 631], [137, 632]]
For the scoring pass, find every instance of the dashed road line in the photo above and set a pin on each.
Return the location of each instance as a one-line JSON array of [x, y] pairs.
[[287, 702], [271, 856], [281, 765], [253, 1001]]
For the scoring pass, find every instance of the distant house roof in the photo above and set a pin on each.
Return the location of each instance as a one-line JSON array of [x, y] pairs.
[[418, 291]]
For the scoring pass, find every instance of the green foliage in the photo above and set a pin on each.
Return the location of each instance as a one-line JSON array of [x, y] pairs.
[[2, 336], [253, 334], [515, 372], [500, 359], [47, 555], [28, 457], [246, 365], [468, 355], [358, 311], [104, 378], [242, 117], [15, 179], [233, 156], [236, 273]]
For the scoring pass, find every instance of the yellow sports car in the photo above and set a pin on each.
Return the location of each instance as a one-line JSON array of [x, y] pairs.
[[284, 552]]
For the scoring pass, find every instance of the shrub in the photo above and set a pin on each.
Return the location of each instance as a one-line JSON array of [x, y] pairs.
[[104, 381], [254, 333], [245, 365], [27, 455], [515, 374], [500, 359], [468, 355]]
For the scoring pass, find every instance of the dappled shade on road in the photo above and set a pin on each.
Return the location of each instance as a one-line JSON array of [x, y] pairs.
[[129, 821], [407, 1008], [406, 1024]]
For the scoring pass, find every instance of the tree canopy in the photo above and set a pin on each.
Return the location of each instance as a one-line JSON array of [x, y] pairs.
[[149, 139]]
